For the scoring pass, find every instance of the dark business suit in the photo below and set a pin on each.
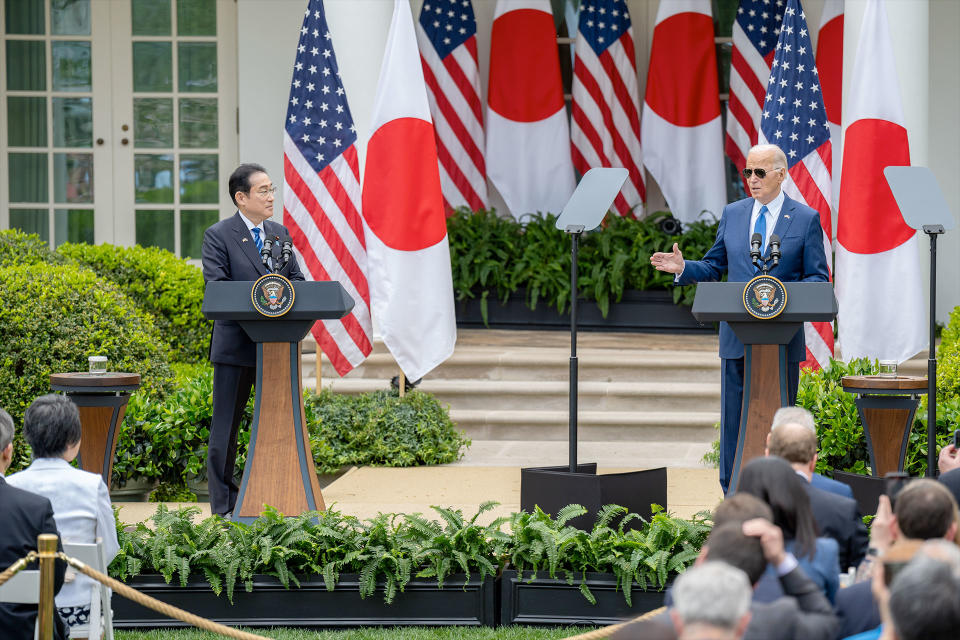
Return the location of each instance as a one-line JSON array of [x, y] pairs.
[[857, 610], [833, 486], [802, 260], [25, 516], [839, 518], [229, 253]]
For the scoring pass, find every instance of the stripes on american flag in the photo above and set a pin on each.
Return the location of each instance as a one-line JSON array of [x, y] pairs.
[[795, 119], [446, 35], [755, 33], [605, 127], [321, 189]]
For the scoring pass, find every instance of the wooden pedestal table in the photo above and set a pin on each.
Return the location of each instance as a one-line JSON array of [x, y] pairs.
[[102, 401], [886, 406]]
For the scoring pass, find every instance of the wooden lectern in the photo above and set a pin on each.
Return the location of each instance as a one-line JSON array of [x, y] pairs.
[[279, 470], [764, 351]]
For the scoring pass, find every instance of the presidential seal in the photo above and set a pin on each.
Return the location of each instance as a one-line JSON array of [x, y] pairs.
[[764, 297], [272, 295]]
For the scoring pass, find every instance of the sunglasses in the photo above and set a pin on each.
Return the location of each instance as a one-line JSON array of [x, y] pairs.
[[761, 173]]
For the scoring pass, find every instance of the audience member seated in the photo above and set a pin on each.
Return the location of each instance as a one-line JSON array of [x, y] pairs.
[[836, 512], [81, 501], [25, 516], [924, 510], [804, 613], [798, 416], [711, 602], [773, 481]]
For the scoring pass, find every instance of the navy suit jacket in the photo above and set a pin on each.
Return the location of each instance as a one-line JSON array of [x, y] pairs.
[[802, 259], [833, 486], [229, 253]]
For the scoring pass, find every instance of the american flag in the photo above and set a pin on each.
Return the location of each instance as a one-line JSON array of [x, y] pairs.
[[321, 194], [605, 128], [447, 38], [795, 120], [755, 33]]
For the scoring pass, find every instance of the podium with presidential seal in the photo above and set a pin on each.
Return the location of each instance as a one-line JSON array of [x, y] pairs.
[[277, 314], [765, 314]]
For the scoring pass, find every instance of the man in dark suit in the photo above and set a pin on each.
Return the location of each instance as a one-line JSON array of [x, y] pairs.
[[768, 211], [803, 418], [25, 516], [232, 251]]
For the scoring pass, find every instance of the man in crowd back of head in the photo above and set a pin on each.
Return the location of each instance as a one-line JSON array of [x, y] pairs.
[[924, 510], [793, 417], [711, 602], [793, 437], [25, 516]]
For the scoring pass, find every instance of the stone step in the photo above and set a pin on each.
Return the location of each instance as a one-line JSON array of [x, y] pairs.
[[613, 426], [552, 395]]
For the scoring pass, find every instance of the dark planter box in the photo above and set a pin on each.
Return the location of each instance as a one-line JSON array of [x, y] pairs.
[[554, 602], [311, 605], [652, 311]]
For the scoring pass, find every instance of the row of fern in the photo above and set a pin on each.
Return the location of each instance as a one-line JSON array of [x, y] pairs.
[[390, 550]]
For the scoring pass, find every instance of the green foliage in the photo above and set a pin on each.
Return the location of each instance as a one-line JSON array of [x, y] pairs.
[[163, 284], [493, 257], [948, 358], [389, 550], [52, 317], [18, 248]]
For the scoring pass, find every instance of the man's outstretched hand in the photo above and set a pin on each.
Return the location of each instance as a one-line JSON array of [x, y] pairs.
[[671, 262]]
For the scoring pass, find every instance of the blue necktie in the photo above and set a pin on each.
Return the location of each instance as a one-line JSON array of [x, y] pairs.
[[761, 227], [256, 239]]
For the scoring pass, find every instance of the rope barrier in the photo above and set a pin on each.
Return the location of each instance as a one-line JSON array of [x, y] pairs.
[[17, 566], [606, 632]]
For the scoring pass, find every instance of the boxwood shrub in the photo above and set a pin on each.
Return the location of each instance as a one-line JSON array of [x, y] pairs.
[[17, 247], [52, 317], [167, 286]]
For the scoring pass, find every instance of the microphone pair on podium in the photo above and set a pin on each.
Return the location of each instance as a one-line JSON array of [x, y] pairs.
[[756, 241], [285, 252]]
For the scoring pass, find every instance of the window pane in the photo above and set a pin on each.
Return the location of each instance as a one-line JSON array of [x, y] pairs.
[[71, 66], [72, 225], [198, 122], [196, 18], [70, 17], [24, 16], [26, 65], [153, 123], [28, 177], [150, 17], [73, 177], [155, 229], [153, 177], [27, 126], [72, 122], [192, 226], [198, 179], [31, 221], [152, 66], [197, 64]]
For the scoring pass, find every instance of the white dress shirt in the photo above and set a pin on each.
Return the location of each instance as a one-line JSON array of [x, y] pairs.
[[81, 509], [260, 230], [773, 214]]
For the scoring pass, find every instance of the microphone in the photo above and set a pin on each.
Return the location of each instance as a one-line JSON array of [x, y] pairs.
[[265, 253], [756, 240], [286, 252], [775, 249]]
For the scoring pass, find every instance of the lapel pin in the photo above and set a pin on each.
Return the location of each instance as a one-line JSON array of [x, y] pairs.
[[787, 216], [244, 239]]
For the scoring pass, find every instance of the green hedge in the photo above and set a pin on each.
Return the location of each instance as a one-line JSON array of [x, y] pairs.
[[52, 317], [492, 257], [161, 283], [17, 248]]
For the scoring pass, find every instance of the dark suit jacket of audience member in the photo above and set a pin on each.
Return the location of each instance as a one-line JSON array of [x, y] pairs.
[[25, 516], [804, 613], [833, 486], [857, 610], [839, 518]]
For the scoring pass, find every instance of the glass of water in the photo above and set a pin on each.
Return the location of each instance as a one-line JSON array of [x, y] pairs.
[[98, 364]]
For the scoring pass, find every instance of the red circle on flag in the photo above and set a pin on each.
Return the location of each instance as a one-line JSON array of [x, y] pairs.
[[682, 88], [401, 193], [830, 66], [525, 84], [869, 219]]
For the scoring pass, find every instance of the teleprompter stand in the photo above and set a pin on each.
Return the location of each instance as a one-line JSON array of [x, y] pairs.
[[552, 488], [279, 470], [923, 208]]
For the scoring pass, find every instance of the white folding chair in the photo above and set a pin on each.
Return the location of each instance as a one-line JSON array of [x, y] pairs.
[[91, 554], [23, 588]]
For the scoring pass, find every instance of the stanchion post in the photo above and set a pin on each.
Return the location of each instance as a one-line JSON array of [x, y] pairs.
[[47, 552]]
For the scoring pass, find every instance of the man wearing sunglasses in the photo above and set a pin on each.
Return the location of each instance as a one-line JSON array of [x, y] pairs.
[[768, 211]]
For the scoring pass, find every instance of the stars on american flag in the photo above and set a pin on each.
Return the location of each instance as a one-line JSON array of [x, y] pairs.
[[794, 117], [448, 23], [605, 21], [760, 20], [318, 118]]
